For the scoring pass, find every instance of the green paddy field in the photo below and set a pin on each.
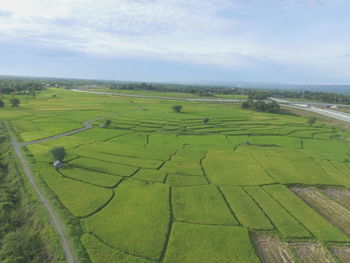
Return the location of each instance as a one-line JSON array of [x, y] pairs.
[[160, 186]]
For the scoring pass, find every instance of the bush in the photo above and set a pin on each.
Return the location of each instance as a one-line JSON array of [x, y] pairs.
[[15, 102], [205, 120], [311, 121], [262, 106], [177, 108], [58, 153]]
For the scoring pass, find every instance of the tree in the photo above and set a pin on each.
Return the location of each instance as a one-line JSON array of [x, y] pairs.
[[177, 108], [205, 120], [58, 153], [15, 102], [107, 123], [2, 104], [311, 121]]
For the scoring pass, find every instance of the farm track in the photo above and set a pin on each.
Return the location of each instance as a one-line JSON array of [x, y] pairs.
[[53, 217], [55, 220]]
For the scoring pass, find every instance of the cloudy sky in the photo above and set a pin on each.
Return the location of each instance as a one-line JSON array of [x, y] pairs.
[[291, 41]]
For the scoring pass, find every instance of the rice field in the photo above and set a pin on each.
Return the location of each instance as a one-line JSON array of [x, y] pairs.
[[159, 186]]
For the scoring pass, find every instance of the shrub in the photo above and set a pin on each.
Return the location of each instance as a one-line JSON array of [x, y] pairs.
[[15, 102], [177, 108], [58, 153]]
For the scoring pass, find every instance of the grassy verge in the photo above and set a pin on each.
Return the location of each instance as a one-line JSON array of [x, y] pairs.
[[26, 235]]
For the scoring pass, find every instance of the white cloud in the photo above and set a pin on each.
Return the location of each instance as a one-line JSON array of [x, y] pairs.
[[186, 30]]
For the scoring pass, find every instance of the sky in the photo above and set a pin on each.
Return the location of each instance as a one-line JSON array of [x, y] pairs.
[[287, 41]]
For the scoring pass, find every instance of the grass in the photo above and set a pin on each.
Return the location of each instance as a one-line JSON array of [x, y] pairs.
[[246, 209], [175, 180], [91, 177], [137, 162], [230, 168], [197, 243], [315, 223], [227, 177], [286, 224], [201, 205], [103, 166], [100, 252], [136, 220], [79, 198], [330, 149], [150, 175]]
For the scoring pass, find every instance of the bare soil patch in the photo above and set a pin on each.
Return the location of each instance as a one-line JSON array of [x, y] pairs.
[[312, 252], [272, 250], [331, 210], [342, 196], [341, 252]]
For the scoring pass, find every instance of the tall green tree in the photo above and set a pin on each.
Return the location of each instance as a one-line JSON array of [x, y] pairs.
[[177, 108], [311, 121], [15, 102], [58, 153]]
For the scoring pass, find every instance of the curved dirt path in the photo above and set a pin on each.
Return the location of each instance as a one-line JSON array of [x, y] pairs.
[[53, 217]]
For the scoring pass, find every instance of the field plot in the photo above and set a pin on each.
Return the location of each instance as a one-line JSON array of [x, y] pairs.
[[136, 162], [230, 168], [312, 252], [150, 175], [272, 250], [201, 205], [317, 225], [342, 196], [185, 162], [198, 243], [91, 177], [331, 210], [159, 186], [137, 219], [286, 224], [80, 203], [341, 252], [176, 180], [246, 210], [102, 253], [103, 166]]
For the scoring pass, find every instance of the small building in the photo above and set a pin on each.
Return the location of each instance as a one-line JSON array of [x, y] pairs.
[[334, 107], [57, 164]]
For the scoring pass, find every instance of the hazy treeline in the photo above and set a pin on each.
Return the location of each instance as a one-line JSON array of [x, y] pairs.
[[257, 94], [27, 85]]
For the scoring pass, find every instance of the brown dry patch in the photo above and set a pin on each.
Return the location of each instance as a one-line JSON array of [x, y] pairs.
[[272, 250], [342, 253], [342, 196], [312, 252], [331, 210]]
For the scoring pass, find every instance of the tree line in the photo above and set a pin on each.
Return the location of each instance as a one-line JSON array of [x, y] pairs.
[[17, 85]]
